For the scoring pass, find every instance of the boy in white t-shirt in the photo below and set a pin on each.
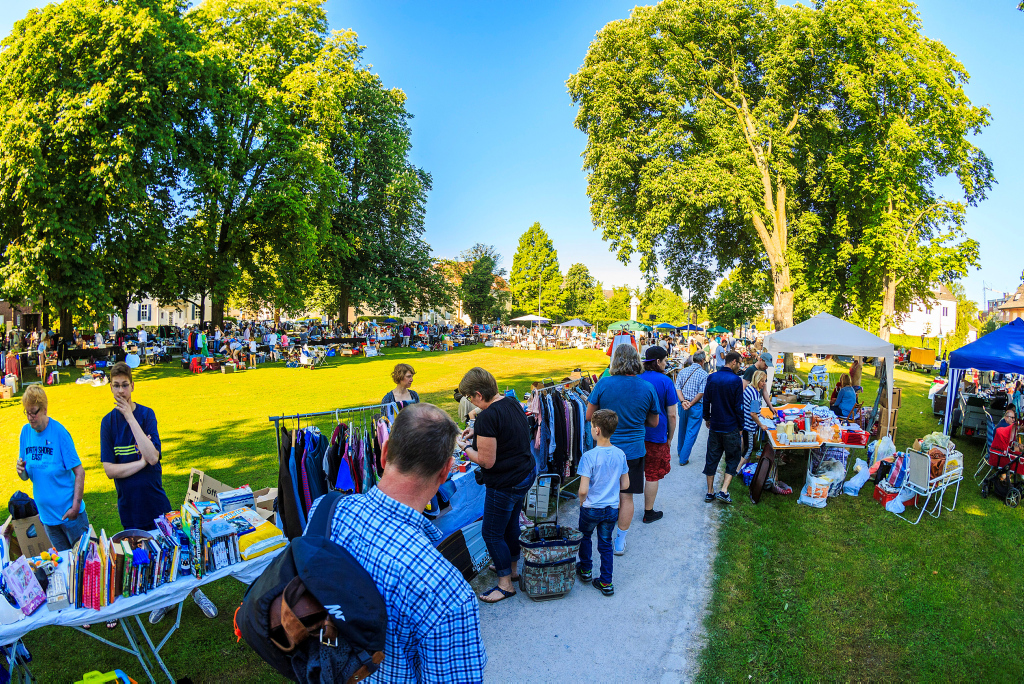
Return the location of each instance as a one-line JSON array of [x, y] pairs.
[[603, 474]]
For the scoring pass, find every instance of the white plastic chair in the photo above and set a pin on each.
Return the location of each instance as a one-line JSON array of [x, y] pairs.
[[920, 482]]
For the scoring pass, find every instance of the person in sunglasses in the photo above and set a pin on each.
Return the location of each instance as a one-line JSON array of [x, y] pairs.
[[47, 457]]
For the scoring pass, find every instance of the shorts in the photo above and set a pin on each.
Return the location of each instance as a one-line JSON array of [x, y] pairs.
[[731, 444], [657, 462], [636, 476]]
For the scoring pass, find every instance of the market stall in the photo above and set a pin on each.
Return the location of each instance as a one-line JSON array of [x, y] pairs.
[[820, 429], [826, 334], [218, 531], [1001, 350]]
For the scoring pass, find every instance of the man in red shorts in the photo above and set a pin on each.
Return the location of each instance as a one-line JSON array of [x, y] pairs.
[[658, 460]]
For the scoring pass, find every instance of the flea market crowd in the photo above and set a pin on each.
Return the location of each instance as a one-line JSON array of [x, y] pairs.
[[392, 493]]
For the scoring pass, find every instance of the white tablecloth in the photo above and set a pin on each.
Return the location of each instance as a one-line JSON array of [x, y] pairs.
[[169, 594]]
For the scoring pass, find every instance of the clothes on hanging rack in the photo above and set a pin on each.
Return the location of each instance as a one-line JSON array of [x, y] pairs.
[[562, 431]]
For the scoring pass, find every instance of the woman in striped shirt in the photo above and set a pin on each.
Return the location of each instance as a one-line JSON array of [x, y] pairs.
[[751, 408]]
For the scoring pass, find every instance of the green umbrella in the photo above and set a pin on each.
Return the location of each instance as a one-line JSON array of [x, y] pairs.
[[718, 329], [631, 326]]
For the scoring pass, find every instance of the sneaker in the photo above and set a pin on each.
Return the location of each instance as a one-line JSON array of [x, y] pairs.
[[619, 545], [724, 497], [606, 587], [524, 521], [652, 515], [158, 615], [709, 498], [205, 604], [585, 575]]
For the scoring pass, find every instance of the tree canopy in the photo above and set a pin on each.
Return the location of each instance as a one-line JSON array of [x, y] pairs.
[[726, 133], [535, 280], [235, 151]]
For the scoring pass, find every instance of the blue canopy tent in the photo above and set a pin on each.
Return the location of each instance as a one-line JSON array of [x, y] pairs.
[[665, 326], [574, 323], [1001, 351], [689, 326]]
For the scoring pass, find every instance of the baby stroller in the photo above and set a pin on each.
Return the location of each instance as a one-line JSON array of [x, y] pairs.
[[1006, 481]]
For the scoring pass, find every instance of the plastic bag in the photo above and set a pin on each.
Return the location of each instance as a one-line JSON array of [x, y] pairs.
[[747, 472], [815, 492], [860, 477], [898, 503], [834, 472], [886, 449]]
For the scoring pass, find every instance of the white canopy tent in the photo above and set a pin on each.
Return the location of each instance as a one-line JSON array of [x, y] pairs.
[[826, 334]]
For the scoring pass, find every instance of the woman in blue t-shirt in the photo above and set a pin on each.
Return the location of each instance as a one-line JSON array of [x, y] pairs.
[[846, 397], [636, 404], [47, 457]]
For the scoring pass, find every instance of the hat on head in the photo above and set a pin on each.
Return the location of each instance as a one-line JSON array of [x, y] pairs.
[[655, 353], [767, 358]]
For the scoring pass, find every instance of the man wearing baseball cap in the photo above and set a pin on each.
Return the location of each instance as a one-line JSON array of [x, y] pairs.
[[763, 361], [658, 459]]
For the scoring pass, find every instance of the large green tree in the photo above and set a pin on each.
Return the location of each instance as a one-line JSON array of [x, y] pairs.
[[804, 141], [95, 97], [477, 289], [903, 121], [258, 192], [373, 254], [738, 299], [697, 114], [535, 279], [577, 291]]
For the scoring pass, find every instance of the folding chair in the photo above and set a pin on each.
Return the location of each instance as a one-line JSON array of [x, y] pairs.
[[986, 456], [920, 482]]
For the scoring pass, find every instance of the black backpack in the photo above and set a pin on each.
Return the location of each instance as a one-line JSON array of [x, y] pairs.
[[319, 583], [22, 506]]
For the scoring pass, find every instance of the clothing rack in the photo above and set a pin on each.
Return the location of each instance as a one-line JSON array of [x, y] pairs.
[[277, 420]]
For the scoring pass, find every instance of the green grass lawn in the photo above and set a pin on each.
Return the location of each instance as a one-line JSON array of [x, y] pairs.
[[218, 423], [853, 593]]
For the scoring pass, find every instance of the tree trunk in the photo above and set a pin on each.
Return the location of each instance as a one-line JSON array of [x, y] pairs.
[[217, 312], [65, 323], [277, 318], [888, 306], [346, 292]]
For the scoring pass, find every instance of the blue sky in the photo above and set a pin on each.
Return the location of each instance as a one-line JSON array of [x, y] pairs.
[[486, 83]]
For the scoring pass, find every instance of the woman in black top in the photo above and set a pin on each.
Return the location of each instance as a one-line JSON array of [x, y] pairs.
[[501, 447], [402, 375]]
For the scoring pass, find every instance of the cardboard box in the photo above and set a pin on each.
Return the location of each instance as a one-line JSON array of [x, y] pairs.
[[897, 398], [266, 500], [32, 538], [227, 368], [202, 487], [6, 392], [887, 420], [7, 532]]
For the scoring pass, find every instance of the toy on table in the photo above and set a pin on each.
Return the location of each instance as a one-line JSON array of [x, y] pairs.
[[47, 561]]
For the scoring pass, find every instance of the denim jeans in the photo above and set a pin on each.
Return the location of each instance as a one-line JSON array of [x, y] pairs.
[[689, 428], [603, 520], [64, 535], [500, 528]]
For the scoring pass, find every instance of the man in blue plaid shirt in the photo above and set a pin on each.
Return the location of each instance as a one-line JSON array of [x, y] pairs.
[[433, 619]]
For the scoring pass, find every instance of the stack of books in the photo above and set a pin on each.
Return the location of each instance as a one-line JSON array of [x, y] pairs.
[[255, 535], [236, 498]]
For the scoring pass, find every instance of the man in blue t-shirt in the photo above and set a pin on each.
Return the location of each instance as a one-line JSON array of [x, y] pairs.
[[658, 458], [130, 452]]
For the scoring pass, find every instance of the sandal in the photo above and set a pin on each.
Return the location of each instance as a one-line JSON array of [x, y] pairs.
[[514, 578], [112, 624], [496, 588]]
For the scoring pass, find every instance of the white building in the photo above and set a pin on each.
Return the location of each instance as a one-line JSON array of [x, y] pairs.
[[936, 318], [150, 313]]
